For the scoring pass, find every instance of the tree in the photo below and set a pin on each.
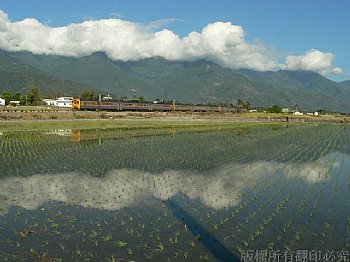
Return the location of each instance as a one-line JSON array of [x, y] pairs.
[[87, 95], [141, 99], [34, 96], [7, 96], [17, 96], [276, 109], [242, 104], [23, 100]]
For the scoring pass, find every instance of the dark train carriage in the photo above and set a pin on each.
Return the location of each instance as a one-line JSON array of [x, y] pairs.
[[135, 106], [183, 108], [162, 107], [200, 108], [228, 109], [213, 108], [93, 105], [109, 105]]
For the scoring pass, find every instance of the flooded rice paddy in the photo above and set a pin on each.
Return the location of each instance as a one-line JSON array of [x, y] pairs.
[[120, 195]]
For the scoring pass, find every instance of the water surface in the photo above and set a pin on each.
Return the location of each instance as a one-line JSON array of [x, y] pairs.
[[116, 195]]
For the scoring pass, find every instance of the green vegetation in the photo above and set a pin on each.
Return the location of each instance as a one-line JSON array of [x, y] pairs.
[[274, 109], [88, 96], [7, 96], [141, 99], [118, 124], [197, 82], [120, 194], [241, 103], [17, 76], [32, 98]]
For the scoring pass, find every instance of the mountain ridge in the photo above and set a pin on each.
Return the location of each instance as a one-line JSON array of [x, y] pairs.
[[198, 81], [18, 76]]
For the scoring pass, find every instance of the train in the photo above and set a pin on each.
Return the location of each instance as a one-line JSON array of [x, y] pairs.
[[78, 104]]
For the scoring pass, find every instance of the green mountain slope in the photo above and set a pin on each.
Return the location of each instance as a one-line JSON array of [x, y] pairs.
[[345, 84], [197, 82], [95, 70], [17, 76], [307, 89]]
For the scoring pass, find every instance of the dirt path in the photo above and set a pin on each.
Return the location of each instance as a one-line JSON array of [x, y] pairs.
[[40, 113]]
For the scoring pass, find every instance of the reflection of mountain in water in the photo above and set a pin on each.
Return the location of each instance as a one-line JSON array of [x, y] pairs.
[[217, 188]]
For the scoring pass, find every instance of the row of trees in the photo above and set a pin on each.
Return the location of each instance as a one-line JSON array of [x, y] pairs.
[[242, 104], [91, 96], [88, 96], [32, 97]]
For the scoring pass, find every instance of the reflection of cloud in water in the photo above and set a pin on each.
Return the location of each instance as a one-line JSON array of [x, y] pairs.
[[217, 188]]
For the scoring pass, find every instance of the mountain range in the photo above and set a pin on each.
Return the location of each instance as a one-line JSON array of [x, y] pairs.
[[195, 82]]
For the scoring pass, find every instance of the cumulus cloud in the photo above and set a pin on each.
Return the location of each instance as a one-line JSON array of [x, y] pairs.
[[221, 187], [220, 42], [313, 60]]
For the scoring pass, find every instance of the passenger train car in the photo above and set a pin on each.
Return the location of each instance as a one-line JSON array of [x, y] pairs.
[[77, 104]]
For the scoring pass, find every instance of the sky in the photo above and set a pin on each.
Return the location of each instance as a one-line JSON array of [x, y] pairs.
[[259, 35]]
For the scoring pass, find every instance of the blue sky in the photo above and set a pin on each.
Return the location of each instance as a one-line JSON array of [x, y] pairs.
[[289, 27]]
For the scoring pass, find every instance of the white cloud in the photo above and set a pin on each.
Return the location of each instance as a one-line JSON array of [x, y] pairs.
[[220, 42], [223, 43], [221, 187], [313, 60]]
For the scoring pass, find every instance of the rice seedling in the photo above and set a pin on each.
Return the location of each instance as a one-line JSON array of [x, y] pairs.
[[245, 189], [120, 244], [107, 238]]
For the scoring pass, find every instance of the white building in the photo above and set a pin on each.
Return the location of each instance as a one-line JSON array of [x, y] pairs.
[[64, 101], [50, 102], [297, 113], [15, 103], [107, 98], [2, 102]]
